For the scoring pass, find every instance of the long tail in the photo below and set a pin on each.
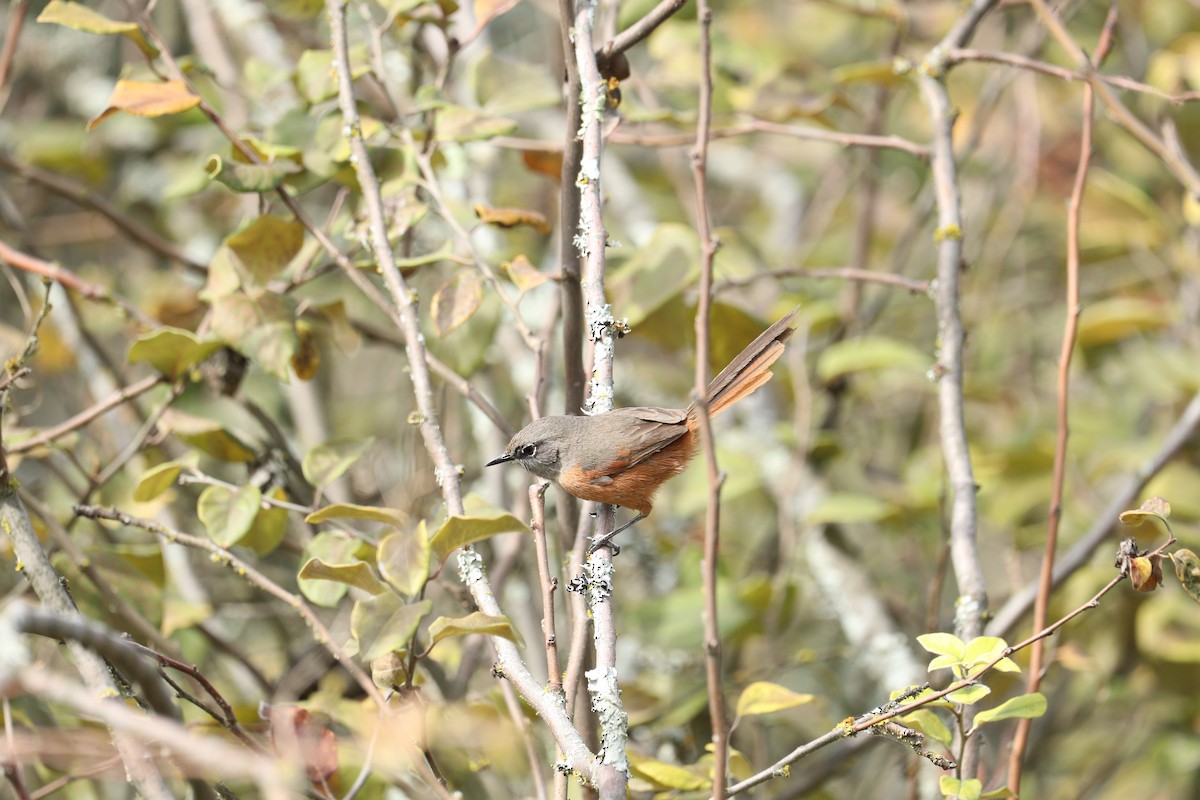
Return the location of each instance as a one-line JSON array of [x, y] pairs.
[[751, 369]]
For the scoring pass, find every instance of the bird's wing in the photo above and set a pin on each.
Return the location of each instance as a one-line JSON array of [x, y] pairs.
[[644, 432]]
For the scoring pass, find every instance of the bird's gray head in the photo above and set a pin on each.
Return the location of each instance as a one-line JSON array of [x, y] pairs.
[[536, 447]]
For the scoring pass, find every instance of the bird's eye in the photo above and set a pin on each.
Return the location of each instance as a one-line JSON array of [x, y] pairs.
[[527, 451]]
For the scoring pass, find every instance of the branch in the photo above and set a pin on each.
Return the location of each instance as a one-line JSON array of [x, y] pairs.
[[830, 273], [81, 419], [243, 568], [642, 28], [795, 131]]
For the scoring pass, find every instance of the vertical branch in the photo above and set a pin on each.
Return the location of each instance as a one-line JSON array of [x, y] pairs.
[[592, 238], [971, 604], [1070, 327], [568, 216], [712, 518]]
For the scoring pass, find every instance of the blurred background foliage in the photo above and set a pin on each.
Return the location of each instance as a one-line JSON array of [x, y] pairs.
[[833, 514]]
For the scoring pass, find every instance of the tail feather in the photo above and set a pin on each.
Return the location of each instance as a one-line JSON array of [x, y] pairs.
[[750, 369]]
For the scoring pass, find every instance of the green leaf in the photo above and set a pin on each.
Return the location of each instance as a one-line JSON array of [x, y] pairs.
[[385, 623], [226, 514], [315, 76], [996, 794], [266, 246], [925, 721], [868, 353], [666, 776], [269, 527], [880, 72], [656, 272], [1111, 320], [391, 516], [261, 325], [332, 548], [171, 351], [846, 507], [946, 644], [969, 695], [356, 573], [458, 532], [327, 462], [961, 790], [762, 697], [458, 124], [478, 622], [1026, 706], [1187, 570], [249, 178], [943, 662], [207, 436], [982, 649], [403, 559], [81, 18], [161, 477]]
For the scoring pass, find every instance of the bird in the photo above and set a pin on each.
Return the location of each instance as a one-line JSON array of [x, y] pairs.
[[623, 456]]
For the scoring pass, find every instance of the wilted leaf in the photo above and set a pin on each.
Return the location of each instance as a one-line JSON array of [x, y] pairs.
[[544, 162], [161, 477], [147, 99], [355, 573], [762, 697], [403, 559], [455, 301], [171, 351], [300, 736], [523, 274], [327, 462], [390, 516], [1145, 573], [867, 353], [458, 532], [81, 18], [226, 514], [1026, 706], [307, 358], [1187, 569], [513, 217], [207, 436], [385, 623], [478, 622]]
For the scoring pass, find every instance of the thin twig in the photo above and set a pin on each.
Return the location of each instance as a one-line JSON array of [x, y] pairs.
[[809, 133], [16, 20], [828, 273], [641, 29], [1020, 739], [537, 505], [712, 517], [48, 435]]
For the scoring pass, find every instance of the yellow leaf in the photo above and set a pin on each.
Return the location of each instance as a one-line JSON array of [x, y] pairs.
[[512, 217], [766, 698], [147, 99]]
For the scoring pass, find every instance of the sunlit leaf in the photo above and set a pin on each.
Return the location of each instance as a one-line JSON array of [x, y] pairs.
[[147, 99], [355, 573], [762, 697], [844, 507], [925, 721], [524, 274], [171, 351], [969, 695], [228, 514], [666, 776], [458, 532], [477, 622], [1145, 573], [162, 477], [390, 516], [1153, 508], [385, 623], [513, 217], [1026, 706], [945, 644], [970, 789], [82, 18]]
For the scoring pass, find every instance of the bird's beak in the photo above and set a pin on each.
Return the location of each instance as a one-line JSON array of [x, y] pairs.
[[500, 460]]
